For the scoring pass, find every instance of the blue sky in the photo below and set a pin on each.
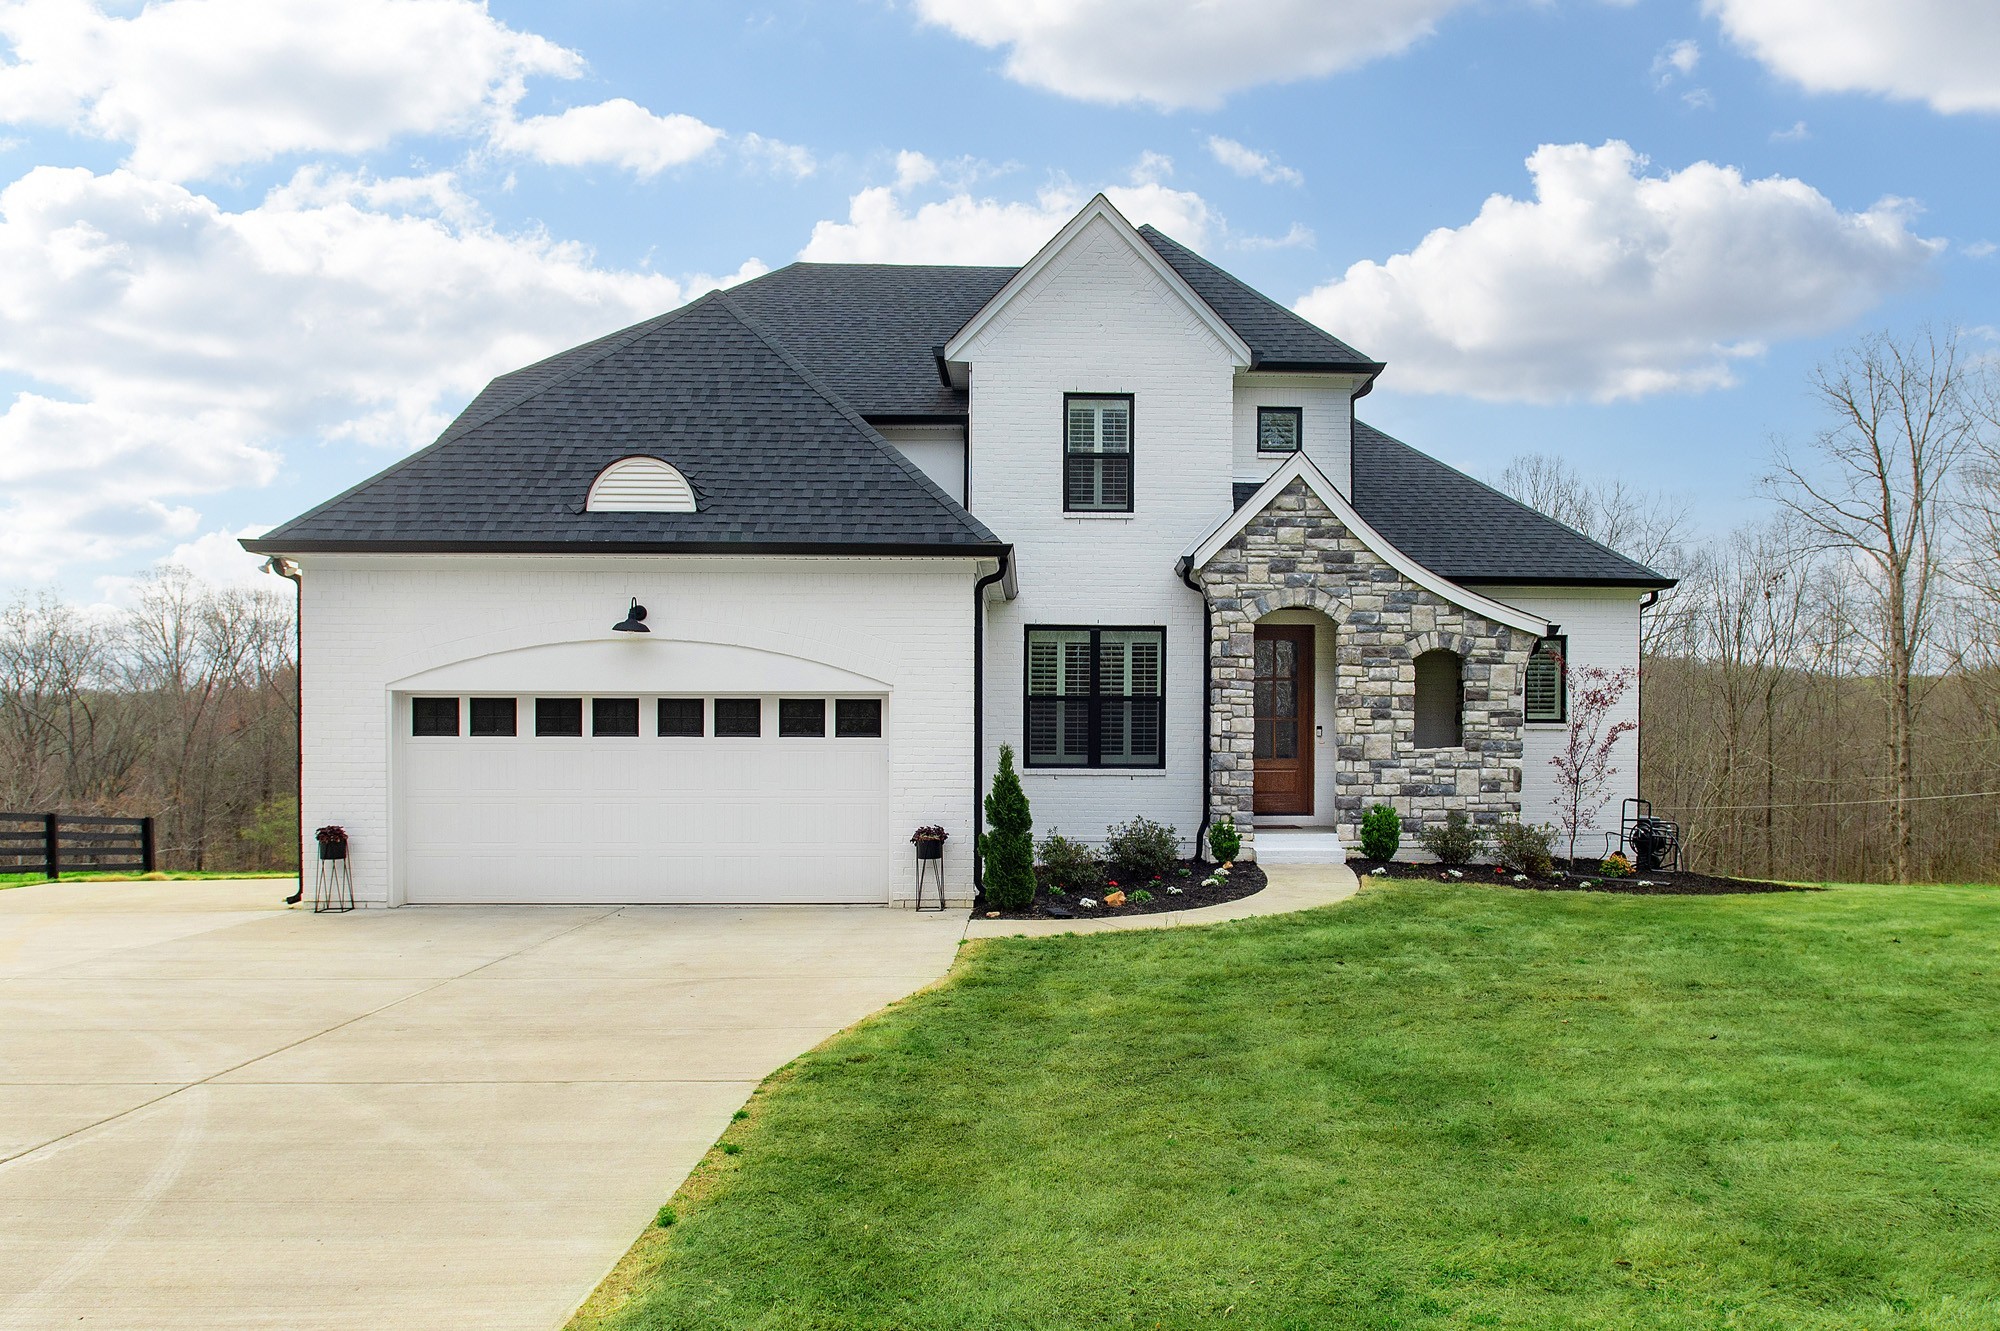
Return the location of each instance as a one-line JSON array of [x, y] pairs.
[[254, 250]]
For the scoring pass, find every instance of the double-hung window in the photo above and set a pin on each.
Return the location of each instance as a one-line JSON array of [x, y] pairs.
[[1548, 683], [1097, 454], [1096, 697]]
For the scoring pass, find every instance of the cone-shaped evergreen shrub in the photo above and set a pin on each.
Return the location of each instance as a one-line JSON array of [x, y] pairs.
[[1009, 846]]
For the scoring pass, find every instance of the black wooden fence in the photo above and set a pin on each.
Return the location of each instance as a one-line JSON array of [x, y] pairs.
[[52, 844]]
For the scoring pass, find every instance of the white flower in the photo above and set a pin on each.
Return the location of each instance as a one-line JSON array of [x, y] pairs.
[[1647, 882], [1088, 903], [1378, 872], [1456, 873], [1211, 882], [1520, 878], [1173, 891]]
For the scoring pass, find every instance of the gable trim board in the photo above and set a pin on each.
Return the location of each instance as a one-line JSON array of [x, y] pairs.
[[1098, 209], [1300, 468]]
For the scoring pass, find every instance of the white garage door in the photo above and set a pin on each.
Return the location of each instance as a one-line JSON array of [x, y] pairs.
[[598, 814]]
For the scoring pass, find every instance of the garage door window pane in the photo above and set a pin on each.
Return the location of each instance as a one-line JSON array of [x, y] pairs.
[[558, 716], [681, 717], [801, 718], [614, 716], [857, 718], [433, 716], [738, 717], [492, 716]]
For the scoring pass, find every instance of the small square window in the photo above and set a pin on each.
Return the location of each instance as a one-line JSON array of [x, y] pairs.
[[492, 716], [614, 716], [739, 718], [681, 717], [801, 718], [857, 718], [433, 716], [558, 716], [1279, 429]]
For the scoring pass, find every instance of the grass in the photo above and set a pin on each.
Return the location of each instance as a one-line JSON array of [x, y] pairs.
[[1431, 1107], [176, 875]]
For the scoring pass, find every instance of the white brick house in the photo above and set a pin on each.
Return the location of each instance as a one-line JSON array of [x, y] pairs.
[[1112, 508]]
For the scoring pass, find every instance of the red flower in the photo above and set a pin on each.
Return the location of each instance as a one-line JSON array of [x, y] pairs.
[[1111, 882]]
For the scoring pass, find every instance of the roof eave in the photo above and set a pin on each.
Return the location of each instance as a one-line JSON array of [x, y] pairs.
[[891, 549], [1654, 583]]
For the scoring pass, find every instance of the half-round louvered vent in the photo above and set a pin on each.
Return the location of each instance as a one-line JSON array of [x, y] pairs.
[[640, 485]]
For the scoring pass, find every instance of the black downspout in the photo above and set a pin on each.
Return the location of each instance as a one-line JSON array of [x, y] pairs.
[[979, 708], [1207, 698], [279, 566], [1646, 603]]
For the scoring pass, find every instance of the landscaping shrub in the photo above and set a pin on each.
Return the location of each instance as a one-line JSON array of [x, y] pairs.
[[1142, 846], [1454, 841], [1525, 847], [1224, 841], [1381, 833], [1615, 865], [1070, 863], [1009, 847]]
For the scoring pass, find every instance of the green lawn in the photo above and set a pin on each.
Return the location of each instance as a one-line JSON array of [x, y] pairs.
[[1428, 1107], [177, 875]]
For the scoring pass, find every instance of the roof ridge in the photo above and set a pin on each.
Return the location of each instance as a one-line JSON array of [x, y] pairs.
[[1360, 424], [460, 427], [959, 513]]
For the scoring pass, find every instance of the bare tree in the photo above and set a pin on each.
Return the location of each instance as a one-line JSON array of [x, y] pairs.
[[1874, 486]]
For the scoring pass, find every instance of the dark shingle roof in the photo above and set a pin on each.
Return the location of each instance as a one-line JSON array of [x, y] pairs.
[[1468, 531], [868, 329], [1272, 332], [777, 460]]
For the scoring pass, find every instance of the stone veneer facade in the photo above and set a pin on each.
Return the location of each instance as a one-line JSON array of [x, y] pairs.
[[1297, 552]]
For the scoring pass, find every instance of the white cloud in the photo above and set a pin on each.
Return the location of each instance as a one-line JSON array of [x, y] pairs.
[[199, 86], [619, 132], [1944, 52], [1611, 283], [1798, 133], [1175, 53], [882, 227], [774, 155], [1979, 249], [1300, 237], [178, 348], [1698, 99], [1675, 58], [1251, 164]]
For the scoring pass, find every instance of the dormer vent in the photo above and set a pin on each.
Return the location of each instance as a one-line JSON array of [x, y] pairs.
[[640, 485]]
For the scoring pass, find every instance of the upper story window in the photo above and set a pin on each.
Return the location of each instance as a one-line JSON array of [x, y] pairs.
[[1280, 429], [1096, 697], [1097, 453], [640, 485], [1547, 694]]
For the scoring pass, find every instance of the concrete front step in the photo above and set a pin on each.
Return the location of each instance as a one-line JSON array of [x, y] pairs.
[[1305, 845]]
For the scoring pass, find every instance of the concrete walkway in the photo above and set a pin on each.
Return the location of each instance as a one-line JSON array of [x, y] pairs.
[[1292, 887], [216, 1113]]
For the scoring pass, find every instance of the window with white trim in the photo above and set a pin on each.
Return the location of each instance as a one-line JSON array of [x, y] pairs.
[[1547, 691], [1096, 697], [1097, 453]]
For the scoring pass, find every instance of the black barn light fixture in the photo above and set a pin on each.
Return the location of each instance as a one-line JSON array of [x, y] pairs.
[[634, 621]]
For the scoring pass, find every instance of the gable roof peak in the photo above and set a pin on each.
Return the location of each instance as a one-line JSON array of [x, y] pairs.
[[1102, 209]]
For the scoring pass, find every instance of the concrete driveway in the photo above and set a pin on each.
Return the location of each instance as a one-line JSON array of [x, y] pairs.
[[215, 1112]]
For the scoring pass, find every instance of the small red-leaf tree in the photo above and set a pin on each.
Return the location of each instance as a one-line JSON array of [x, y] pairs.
[[1583, 766]]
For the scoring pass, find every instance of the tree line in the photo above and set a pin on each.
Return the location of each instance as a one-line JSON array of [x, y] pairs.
[[182, 706], [1821, 691]]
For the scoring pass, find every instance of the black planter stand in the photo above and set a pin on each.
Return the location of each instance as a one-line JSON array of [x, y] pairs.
[[930, 853], [333, 886]]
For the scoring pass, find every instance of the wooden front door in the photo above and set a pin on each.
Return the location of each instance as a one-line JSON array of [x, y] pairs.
[[1284, 753]]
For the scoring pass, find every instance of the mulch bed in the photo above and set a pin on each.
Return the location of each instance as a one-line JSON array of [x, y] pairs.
[[1242, 880], [1583, 876]]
